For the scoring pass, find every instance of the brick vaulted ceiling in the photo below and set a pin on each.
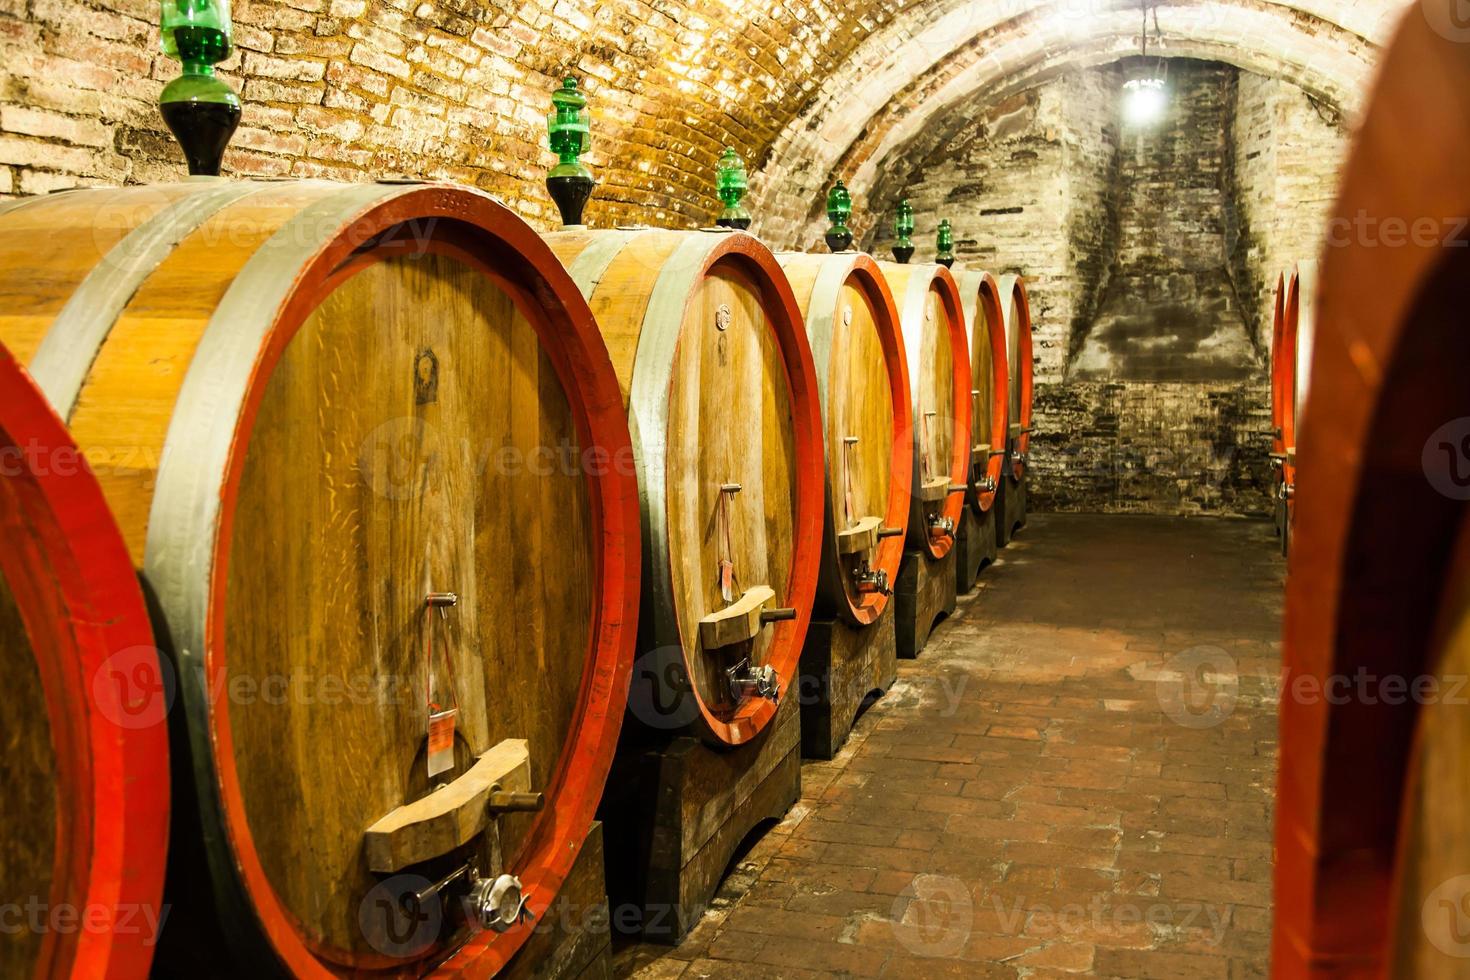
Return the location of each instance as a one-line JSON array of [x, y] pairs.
[[808, 90], [902, 77]]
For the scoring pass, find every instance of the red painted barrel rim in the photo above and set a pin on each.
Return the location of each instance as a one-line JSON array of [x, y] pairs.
[[745, 255], [111, 856], [1023, 346], [954, 504], [1281, 368], [472, 226], [1375, 539], [870, 280], [988, 298], [1290, 320]]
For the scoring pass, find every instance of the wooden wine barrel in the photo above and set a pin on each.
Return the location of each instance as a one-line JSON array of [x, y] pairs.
[[1298, 329], [317, 411], [1281, 386], [1370, 834], [932, 318], [862, 378], [85, 779], [1016, 307], [722, 399], [985, 331]]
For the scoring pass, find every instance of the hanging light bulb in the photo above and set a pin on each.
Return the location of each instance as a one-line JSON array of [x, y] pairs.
[[1144, 100], [1145, 95]]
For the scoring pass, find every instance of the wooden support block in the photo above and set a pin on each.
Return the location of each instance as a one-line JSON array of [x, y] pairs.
[[573, 940], [861, 538], [677, 810], [1010, 507], [841, 665], [451, 815], [738, 622], [923, 595], [935, 489], [975, 542]]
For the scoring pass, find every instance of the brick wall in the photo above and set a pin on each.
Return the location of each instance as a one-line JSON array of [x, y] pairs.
[[454, 89], [1172, 231]]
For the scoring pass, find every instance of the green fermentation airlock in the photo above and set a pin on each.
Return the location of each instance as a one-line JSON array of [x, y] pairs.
[[903, 230], [839, 209], [570, 130], [200, 109], [731, 184], [944, 244]]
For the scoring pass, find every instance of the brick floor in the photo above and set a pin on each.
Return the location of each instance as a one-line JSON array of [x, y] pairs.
[[1074, 778]]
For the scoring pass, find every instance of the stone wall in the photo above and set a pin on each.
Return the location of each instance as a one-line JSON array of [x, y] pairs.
[[1135, 241]]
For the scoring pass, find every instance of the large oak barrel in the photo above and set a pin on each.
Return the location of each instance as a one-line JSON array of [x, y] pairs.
[[985, 330], [367, 446], [862, 377], [722, 400], [1298, 327], [932, 317], [85, 778], [1372, 854], [1282, 383], [1015, 307]]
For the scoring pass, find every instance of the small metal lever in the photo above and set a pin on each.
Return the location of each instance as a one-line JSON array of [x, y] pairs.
[[957, 488], [503, 802], [777, 614], [889, 532]]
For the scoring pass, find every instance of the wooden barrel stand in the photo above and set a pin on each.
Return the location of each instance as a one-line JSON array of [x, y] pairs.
[[573, 941], [984, 325], [1016, 308], [932, 318], [680, 811], [850, 654], [721, 393]]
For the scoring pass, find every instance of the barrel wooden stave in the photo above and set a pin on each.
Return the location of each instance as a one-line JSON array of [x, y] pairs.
[[1370, 879], [852, 324], [712, 406], [932, 320], [86, 775], [286, 354], [1015, 304], [985, 332]]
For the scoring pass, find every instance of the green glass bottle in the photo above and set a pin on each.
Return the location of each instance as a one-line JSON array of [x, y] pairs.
[[570, 127], [200, 109], [839, 209], [731, 184], [944, 243], [903, 229]]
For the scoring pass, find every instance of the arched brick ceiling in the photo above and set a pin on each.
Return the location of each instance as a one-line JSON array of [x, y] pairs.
[[900, 78]]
